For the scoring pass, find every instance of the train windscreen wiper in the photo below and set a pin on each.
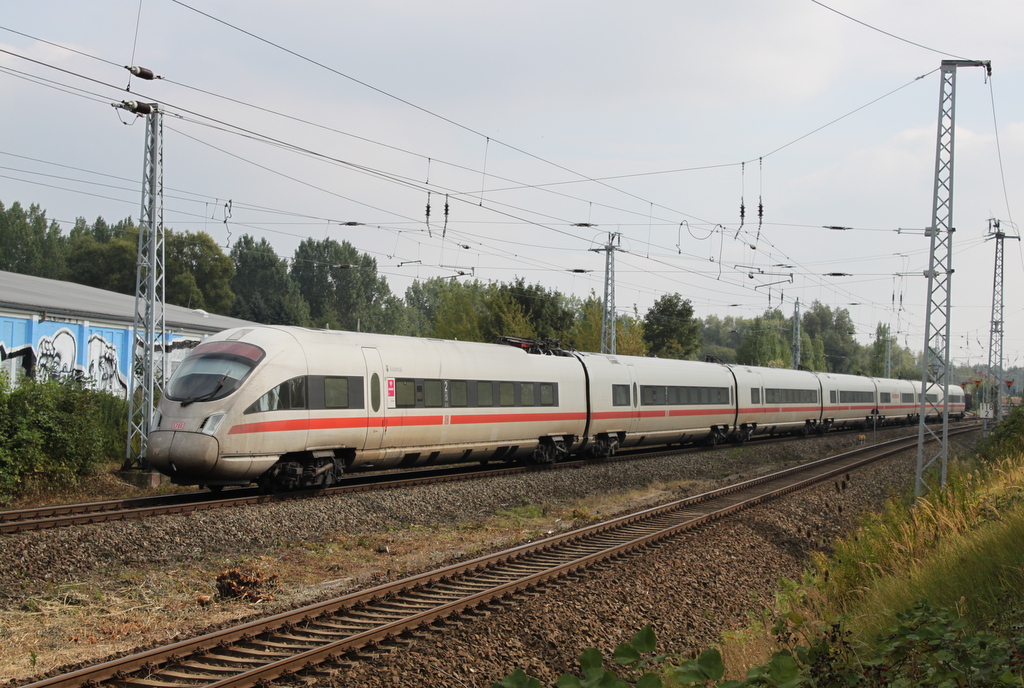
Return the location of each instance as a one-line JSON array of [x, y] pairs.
[[208, 395]]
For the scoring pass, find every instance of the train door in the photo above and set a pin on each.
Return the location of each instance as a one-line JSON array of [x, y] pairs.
[[376, 404], [634, 384]]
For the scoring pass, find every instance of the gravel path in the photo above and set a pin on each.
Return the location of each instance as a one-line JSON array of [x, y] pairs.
[[689, 590]]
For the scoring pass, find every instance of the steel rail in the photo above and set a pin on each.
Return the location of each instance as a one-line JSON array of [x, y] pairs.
[[286, 643], [57, 516]]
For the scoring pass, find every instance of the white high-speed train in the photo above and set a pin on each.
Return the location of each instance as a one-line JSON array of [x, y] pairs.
[[289, 407]]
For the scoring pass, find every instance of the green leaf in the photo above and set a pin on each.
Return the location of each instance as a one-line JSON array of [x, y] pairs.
[[591, 659], [730, 684], [782, 668], [568, 681], [689, 672], [711, 664], [649, 681], [644, 640], [626, 654]]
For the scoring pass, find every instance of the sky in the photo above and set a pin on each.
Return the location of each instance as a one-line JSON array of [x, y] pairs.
[[550, 128]]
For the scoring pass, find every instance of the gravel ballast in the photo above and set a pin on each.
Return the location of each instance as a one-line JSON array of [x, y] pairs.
[[690, 590]]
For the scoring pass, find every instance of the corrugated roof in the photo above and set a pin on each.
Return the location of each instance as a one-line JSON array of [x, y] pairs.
[[66, 299]]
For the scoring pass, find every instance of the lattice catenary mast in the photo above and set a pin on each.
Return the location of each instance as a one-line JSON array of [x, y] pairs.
[[608, 319], [995, 342], [147, 374], [795, 347], [935, 363]]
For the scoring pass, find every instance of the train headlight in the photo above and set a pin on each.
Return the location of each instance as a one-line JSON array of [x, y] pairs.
[[211, 424]]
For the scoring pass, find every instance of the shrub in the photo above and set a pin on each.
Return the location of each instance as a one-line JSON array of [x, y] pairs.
[[50, 430]]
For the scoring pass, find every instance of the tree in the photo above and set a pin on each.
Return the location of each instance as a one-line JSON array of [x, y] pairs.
[[835, 329], [29, 245], [670, 329], [629, 335], [458, 310], [547, 310], [264, 291], [764, 343], [106, 265], [343, 289], [197, 274], [585, 333]]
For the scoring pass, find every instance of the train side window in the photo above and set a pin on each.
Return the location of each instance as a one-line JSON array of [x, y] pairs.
[[459, 393], [932, 398], [647, 395], [673, 396], [297, 392], [705, 395], [485, 394], [755, 395], [527, 394], [906, 397], [620, 395], [547, 394], [831, 396], [271, 401], [432, 394], [287, 396], [405, 393], [335, 392], [886, 397], [507, 393], [374, 393]]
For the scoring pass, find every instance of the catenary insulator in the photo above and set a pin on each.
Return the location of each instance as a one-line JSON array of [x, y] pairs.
[[142, 72], [137, 107]]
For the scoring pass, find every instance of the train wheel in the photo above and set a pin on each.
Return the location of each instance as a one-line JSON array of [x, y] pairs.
[[545, 452]]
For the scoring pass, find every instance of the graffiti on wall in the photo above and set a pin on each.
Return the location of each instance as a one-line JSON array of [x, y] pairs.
[[56, 357], [103, 369]]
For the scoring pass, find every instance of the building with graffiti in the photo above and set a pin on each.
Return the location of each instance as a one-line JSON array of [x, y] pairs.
[[51, 329]]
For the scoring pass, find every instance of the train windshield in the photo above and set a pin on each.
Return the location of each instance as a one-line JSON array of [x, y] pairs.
[[213, 371]]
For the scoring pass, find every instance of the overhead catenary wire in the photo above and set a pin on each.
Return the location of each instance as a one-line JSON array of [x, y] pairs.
[[649, 222]]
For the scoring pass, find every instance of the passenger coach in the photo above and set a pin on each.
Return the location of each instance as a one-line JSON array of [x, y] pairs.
[[290, 407]]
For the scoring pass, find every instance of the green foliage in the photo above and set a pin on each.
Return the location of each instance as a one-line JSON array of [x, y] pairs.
[[50, 430], [1006, 439], [198, 272], [627, 657], [670, 329], [926, 647], [105, 264], [835, 329], [264, 291], [343, 289], [29, 244], [764, 342]]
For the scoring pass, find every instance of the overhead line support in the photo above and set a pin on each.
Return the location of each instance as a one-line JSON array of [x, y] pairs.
[[608, 304], [935, 361], [148, 375]]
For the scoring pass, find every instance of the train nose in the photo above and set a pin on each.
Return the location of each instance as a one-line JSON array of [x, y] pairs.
[[182, 455]]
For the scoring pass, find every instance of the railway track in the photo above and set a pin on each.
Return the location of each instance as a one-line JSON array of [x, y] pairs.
[[42, 518], [284, 645]]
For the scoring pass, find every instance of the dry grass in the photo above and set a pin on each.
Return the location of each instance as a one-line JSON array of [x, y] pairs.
[[103, 485]]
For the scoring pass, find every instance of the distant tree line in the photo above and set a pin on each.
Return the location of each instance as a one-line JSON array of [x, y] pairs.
[[334, 285]]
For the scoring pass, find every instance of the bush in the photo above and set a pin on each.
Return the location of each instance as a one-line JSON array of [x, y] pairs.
[[54, 431], [1006, 439]]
